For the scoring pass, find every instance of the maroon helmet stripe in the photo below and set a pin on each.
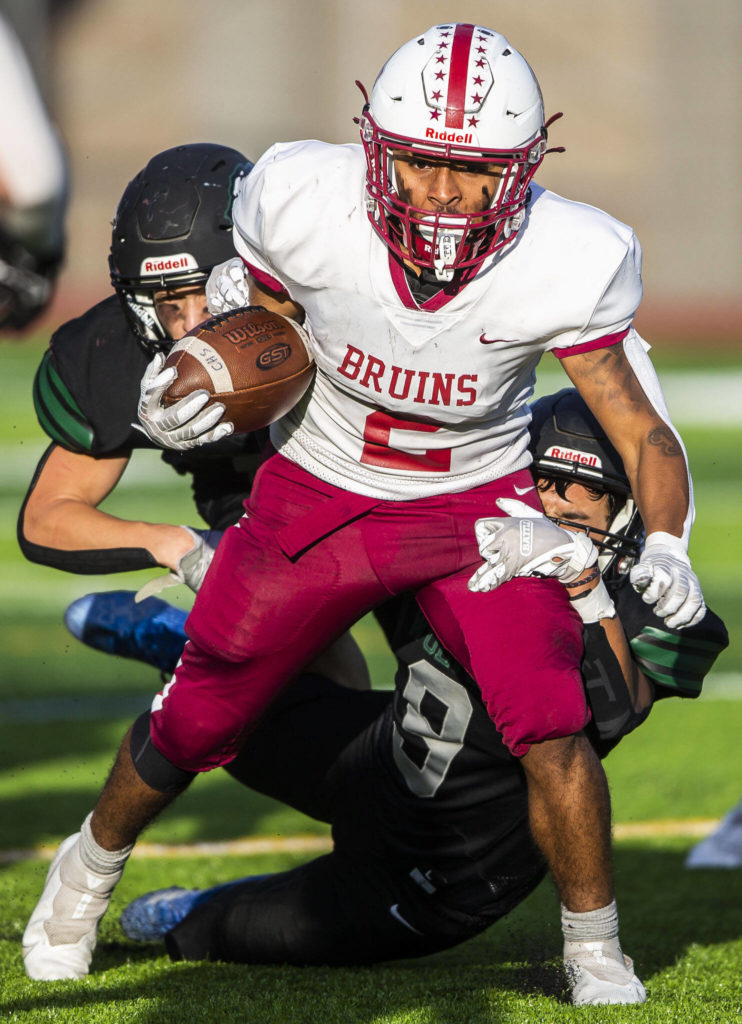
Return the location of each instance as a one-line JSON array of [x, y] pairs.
[[456, 98]]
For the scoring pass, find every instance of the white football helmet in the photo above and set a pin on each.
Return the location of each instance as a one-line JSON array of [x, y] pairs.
[[457, 92]]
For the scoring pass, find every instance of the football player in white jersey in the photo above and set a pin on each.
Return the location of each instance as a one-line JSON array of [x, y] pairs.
[[433, 274], [33, 191]]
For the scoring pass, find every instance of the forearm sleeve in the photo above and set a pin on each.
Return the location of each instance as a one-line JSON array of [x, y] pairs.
[[610, 701]]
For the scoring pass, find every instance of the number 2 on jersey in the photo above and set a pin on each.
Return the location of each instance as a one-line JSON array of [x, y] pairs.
[[378, 452]]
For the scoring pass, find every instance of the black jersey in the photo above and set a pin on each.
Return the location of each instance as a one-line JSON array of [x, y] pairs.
[[450, 787], [428, 808], [452, 797], [86, 394]]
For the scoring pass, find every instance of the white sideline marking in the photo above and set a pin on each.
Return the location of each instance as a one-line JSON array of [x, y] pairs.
[[695, 398], [689, 828], [228, 848]]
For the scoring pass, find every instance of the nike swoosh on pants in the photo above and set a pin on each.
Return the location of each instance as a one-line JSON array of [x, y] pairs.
[[394, 911]]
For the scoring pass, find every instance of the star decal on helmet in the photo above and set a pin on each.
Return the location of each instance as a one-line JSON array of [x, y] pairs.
[[465, 78]]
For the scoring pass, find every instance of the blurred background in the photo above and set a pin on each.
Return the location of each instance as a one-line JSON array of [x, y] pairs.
[[650, 91]]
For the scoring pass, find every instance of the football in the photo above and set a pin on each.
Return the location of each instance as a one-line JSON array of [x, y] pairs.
[[257, 363]]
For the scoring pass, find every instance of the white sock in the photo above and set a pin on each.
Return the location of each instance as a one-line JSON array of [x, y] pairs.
[[590, 926], [95, 858]]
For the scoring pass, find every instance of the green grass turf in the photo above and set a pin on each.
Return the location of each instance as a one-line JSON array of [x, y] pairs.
[[683, 928], [684, 937]]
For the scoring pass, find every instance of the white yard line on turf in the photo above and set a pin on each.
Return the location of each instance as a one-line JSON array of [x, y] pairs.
[[690, 828]]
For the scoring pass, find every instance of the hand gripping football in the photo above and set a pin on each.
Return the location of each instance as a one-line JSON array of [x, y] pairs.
[[257, 363]]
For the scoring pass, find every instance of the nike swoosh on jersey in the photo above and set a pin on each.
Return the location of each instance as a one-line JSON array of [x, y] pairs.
[[394, 911], [522, 490], [493, 341]]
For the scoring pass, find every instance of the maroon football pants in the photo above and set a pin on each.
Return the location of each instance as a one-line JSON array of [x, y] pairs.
[[308, 560]]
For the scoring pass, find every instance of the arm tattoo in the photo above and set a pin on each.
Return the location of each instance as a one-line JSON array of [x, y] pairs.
[[663, 438]]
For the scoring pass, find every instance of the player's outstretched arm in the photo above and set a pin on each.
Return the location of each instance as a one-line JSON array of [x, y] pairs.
[[657, 469], [60, 524]]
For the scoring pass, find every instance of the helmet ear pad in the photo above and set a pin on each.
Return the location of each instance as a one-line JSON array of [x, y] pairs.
[[140, 311], [172, 226]]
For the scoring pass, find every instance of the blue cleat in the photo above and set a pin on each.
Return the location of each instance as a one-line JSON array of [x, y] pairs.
[[152, 631], [150, 917]]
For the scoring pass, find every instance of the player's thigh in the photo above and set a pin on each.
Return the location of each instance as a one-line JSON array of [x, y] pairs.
[[522, 643]]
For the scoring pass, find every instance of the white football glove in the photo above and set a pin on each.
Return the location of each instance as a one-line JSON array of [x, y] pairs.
[[184, 425], [664, 578], [227, 287], [191, 567], [526, 543]]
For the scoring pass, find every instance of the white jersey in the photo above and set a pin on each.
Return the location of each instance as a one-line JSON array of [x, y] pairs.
[[408, 401]]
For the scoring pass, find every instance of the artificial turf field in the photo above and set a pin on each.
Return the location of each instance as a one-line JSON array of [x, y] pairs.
[[63, 710]]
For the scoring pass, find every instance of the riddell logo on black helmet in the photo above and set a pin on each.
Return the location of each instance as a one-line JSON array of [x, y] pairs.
[[168, 264], [571, 455]]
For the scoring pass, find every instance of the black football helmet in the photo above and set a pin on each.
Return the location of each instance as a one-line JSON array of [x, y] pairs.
[[172, 226], [569, 445]]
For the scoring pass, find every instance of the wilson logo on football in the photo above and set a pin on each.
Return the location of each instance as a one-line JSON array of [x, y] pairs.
[[242, 336], [273, 356]]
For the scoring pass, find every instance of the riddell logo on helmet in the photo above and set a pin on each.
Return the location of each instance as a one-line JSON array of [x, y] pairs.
[[431, 133], [570, 455], [180, 261]]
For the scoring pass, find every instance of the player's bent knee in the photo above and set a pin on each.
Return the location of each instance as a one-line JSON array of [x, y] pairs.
[[194, 742], [562, 721]]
